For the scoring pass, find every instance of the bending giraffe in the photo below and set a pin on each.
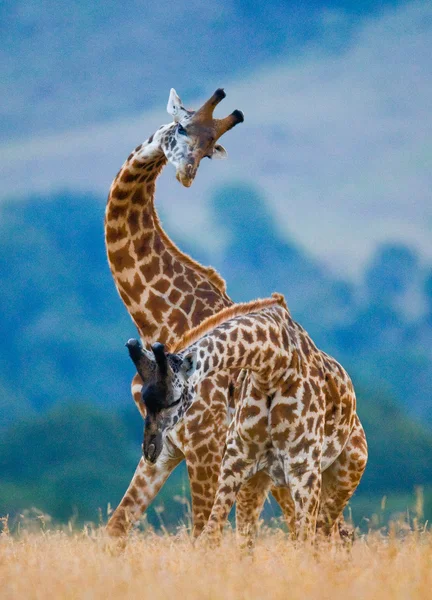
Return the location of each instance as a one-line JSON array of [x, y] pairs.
[[295, 425], [166, 293]]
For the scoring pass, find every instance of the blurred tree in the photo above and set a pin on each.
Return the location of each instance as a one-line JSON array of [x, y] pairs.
[[75, 458], [428, 294], [399, 448], [390, 273], [61, 316]]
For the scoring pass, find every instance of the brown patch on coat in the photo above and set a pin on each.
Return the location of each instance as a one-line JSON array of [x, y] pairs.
[[143, 245], [157, 305], [249, 412], [133, 221], [150, 269], [115, 234], [119, 194], [178, 321], [187, 303], [121, 259], [174, 296], [281, 413], [134, 289], [115, 211], [162, 285]]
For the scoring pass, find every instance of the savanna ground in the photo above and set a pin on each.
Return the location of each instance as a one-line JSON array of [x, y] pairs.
[[68, 563]]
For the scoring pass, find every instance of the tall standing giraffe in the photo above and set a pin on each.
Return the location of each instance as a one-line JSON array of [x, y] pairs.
[[167, 293], [295, 425]]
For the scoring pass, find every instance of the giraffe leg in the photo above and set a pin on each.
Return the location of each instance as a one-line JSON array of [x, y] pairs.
[[202, 449], [299, 455], [283, 497], [202, 445], [305, 488], [251, 497], [340, 481], [249, 504], [236, 468], [204, 442], [146, 483], [202, 492]]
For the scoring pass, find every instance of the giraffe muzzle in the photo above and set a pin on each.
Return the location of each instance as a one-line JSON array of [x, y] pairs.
[[152, 449], [186, 175]]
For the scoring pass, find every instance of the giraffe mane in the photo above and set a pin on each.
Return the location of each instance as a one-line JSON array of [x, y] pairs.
[[242, 308], [209, 272]]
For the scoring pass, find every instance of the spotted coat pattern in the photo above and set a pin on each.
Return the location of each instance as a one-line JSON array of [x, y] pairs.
[[295, 423], [166, 293]]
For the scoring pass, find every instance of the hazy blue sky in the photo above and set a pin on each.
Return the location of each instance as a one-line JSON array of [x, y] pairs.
[[336, 96]]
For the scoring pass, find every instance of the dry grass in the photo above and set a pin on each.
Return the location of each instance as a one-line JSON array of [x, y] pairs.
[[59, 565]]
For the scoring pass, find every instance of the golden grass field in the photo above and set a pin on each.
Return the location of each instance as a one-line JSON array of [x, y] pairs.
[[65, 564]]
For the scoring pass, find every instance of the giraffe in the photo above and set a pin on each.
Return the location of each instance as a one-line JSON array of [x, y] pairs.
[[295, 423], [166, 293]]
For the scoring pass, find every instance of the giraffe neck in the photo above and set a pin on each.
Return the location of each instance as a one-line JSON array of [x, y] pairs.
[[164, 290], [258, 342]]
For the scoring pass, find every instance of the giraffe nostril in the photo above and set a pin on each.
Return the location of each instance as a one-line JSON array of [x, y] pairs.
[[151, 451]]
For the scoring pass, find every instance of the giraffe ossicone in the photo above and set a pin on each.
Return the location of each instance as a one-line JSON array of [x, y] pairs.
[[295, 416]]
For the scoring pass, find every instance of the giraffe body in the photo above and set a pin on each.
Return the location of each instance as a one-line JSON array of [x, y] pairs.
[[166, 293], [295, 423]]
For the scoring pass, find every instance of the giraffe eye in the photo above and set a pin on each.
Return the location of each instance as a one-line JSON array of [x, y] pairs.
[[181, 130], [174, 403]]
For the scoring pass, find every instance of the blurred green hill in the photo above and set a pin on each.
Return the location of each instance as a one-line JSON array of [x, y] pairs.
[[70, 437]]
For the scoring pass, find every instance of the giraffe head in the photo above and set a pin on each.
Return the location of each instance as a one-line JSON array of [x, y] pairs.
[[195, 134], [165, 391]]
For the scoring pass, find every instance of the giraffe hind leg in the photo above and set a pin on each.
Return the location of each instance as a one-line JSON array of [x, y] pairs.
[[339, 483], [283, 497]]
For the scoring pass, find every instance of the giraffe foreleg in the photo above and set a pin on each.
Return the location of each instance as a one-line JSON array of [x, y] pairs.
[[250, 501], [205, 438], [236, 469], [203, 479], [340, 481], [143, 488]]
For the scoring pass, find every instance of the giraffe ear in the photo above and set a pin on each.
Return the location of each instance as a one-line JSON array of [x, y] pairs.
[[175, 107], [219, 152], [189, 364]]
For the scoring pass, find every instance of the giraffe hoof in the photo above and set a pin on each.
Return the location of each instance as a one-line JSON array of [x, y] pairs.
[[115, 546], [208, 540], [346, 533]]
